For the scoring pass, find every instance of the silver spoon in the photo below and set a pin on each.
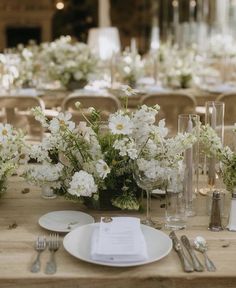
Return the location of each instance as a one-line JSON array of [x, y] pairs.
[[201, 246]]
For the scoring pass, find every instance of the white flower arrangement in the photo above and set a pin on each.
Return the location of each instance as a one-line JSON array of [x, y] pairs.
[[222, 46], [97, 165], [179, 68], [68, 61], [130, 68], [30, 64], [13, 152], [9, 72]]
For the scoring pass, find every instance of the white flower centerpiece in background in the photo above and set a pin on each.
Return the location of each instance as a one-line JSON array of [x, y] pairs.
[[13, 151], [29, 67], [178, 68], [130, 68], [9, 72], [70, 62], [97, 166]]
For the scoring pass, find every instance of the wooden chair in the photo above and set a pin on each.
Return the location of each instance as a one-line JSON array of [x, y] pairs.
[[230, 107], [15, 110], [105, 104], [172, 104]]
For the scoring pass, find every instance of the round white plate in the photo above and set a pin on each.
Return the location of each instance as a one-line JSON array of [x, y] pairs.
[[64, 221], [78, 244]]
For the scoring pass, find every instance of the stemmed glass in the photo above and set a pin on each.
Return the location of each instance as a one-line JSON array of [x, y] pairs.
[[147, 184]]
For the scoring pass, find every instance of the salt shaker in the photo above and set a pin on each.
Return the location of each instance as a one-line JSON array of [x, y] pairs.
[[232, 216], [215, 218]]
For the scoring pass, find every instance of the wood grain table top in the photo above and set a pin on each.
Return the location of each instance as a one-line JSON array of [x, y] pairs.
[[19, 214]]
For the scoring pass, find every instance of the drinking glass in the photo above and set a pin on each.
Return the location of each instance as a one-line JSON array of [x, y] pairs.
[[147, 184], [176, 216]]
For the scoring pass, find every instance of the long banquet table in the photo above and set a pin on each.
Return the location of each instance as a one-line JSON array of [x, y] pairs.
[[19, 214]]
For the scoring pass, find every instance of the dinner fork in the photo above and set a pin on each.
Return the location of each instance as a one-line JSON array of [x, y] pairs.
[[40, 246], [53, 246]]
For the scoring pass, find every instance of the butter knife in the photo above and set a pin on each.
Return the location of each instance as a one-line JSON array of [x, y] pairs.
[[197, 265], [187, 266]]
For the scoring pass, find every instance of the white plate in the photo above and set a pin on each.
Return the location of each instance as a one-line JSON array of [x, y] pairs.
[[64, 221], [78, 244]]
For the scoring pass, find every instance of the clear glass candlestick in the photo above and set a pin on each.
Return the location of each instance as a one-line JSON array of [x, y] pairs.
[[189, 123], [215, 119]]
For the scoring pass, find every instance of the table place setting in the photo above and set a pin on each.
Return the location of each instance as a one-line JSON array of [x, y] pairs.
[[117, 242]]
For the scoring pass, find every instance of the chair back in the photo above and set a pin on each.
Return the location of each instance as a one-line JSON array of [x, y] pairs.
[[16, 110], [171, 105], [105, 104], [230, 107]]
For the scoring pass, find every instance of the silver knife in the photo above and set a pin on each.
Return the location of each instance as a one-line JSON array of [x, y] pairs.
[[187, 266], [197, 265]]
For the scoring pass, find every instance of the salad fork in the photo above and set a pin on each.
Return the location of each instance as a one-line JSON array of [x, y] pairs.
[[40, 246], [53, 246]]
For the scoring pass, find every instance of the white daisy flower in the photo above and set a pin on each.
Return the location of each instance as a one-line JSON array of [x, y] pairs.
[[120, 124], [102, 168], [5, 131], [60, 121]]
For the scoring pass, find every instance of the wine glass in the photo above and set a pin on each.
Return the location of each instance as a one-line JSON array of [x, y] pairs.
[[147, 184]]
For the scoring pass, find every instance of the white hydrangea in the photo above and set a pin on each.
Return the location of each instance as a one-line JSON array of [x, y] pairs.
[[82, 184]]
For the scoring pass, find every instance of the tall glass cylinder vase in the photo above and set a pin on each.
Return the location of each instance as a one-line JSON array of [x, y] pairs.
[[189, 123], [215, 119]]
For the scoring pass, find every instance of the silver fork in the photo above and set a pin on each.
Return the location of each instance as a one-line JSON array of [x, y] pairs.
[[53, 246], [40, 246]]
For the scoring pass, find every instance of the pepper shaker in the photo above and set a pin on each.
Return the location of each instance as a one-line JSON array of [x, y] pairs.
[[215, 218]]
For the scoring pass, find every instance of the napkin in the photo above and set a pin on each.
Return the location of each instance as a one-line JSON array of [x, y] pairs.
[[119, 240]]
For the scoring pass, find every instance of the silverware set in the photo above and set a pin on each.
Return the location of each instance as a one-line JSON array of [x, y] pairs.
[[53, 244], [192, 263]]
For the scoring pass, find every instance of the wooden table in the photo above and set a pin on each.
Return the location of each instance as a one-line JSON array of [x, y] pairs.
[[19, 214]]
